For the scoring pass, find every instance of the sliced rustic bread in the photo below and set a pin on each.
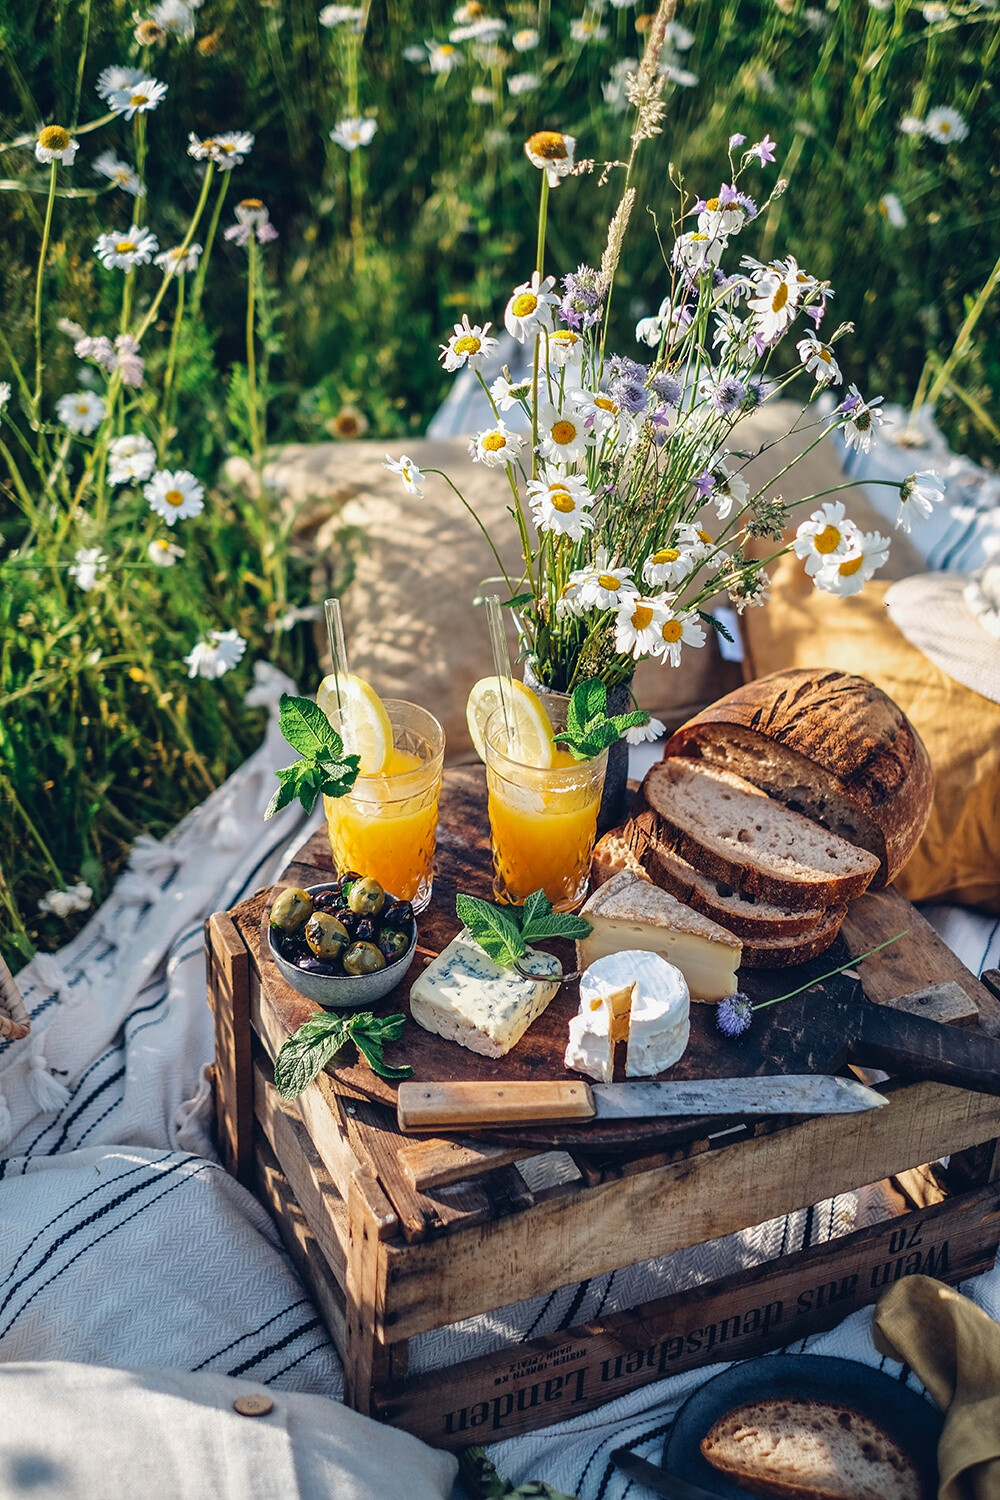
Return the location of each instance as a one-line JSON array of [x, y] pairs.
[[808, 1450], [732, 832], [827, 744]]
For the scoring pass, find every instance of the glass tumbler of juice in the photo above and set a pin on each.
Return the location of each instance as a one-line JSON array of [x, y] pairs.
[[386, 824], [543, 819]]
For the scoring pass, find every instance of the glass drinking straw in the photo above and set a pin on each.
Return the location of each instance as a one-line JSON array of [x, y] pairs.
[[338, 645], [501, 665]]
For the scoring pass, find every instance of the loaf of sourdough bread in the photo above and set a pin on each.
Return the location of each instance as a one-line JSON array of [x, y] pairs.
[[808, 1450], [732, 832], [829, 745]]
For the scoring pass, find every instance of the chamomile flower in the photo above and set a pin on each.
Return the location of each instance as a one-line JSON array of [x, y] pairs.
[[81, 411], [133, 247], [892, 210], [551, 152], [496, 446], [509, 394], [112, 80], [175, 17], [88, 567], [945, 125], [728, 490], [563, 346], [667, 567], [642, 734], [468, 345], [862, 419], [177, 261], [117, 171], [530, 308], [137, 98], [175, 495], [638, 623], [776, 292], [352, 132], [481, 95], [849, 573], [599, 410], [587, 29], [727, 213], [601, 586], [252, 221], [522, 83], [561, 506], [409, 473], [341, 15], [562, 435], [917, 496], [131, 459], [77, 897], [228, 149], [443, 57], [55, 144], [483, 29], [5, 393], [128, 360], [348, 424], [524, 40], [827, 534], [697, 251], [163, 553], [678, 628], [217, 655], [818, 360]]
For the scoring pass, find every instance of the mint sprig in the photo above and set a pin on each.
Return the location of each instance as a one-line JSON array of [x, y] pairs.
[[589, 727], [324, 768], [504, 932], [319, 1040]]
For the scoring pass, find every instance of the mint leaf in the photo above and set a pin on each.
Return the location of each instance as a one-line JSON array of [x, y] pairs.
[[539, 921], [323, 768], [588, 703], [496, 929], [285, 794], [307, 728], [630, 720], [589, 729], [338, 776], [306, 1052], [369, 1035]]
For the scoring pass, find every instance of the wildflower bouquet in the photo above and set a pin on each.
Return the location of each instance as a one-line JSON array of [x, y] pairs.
[[629, 494]]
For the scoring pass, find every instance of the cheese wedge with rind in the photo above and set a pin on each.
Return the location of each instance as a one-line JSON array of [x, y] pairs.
[[466, 997], [628, 913], [636, 997]]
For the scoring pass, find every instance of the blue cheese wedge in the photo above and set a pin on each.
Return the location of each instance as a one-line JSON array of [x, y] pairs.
[[634, 997], [464, 996]]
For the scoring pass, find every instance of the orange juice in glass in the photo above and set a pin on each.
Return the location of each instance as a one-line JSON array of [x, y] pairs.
[[543, 819], [385, 825]]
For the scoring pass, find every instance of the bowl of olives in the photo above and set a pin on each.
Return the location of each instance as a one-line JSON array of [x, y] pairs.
[[344, 944]]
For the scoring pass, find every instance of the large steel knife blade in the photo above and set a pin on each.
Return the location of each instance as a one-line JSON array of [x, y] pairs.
[[450, 1106]]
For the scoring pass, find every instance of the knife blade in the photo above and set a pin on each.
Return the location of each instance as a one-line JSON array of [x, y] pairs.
[[660, 1481], [435, 1106]]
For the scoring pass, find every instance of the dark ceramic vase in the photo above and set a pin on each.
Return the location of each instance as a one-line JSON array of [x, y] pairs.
[[615, 797]]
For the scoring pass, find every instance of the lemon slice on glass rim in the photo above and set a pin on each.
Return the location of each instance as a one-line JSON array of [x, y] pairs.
[[364, 725], [531, 727]]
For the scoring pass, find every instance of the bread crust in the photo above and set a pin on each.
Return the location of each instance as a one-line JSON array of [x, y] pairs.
[[856, 743]]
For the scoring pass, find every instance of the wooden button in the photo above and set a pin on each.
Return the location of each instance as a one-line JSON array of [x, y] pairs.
[[253, 1406]]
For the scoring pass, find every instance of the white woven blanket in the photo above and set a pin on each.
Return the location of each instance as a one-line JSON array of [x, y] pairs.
[[123, 1242]]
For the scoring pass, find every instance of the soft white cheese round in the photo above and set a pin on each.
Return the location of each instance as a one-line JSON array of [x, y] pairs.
[[634, 994]]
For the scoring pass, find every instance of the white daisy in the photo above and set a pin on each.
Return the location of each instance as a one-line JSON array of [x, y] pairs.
[[563, 345], [945, 125], [601, 586], [131, 459], [468, 345], [530, 308], [524, 40], [88, 566], [409, 473], [163, 553], [697, 251], [353, 132], [496, 446], [119, 172], [641, 734], [818, 360], [561, 506], [228, 149], [638, 624], [917, 496], [599, 411], [551, 152], [81, 411], [484, 29], [587, 29], [826, 535], [562, 435], [729, 490], [5, 393], [74, 898], [175, 495], [341, 15], [848, 574], [509, 393], [443, 57], [215, 656], [892, 209], [133, 247], [910, 124], [680, 627], [522, 83], [776, 292], [55, 144], [113, 79], [137, 98], [176, 17], [177, 261], [667, 567], [935, 12], [862, 419], [481, 95]]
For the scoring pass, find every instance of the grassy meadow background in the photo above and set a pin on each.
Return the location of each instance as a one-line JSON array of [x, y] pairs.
[[102, 734]]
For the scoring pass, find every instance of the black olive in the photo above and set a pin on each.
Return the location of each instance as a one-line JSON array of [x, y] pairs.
[[317, 966], [326, 936], [366, 897], [402, 915], [363, 958], [292, 946], [326, 900], [393, 943], [291, 909], [366, 930]]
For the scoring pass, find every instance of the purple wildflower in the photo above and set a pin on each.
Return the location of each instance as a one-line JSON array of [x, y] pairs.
[[736, 140], [734, 1014], [631, 395], [850, 403], [667, 387], [764, 150], [704, 484], [728, 394], [620, 367], [582, 305]]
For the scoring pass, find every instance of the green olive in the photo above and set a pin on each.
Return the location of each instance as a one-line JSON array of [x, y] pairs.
[[363, 958], [326, 936], [393, 944], [291, 909], [366, 897]]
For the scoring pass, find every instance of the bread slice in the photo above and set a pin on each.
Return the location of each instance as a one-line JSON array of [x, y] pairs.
[[732, 832], [808, 1450]]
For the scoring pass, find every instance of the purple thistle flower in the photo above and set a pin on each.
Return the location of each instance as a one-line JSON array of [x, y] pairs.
[[764, 150], [667, 387], [582, 305], [734, 1014], [728, 394], [754, 394], [620, 367]]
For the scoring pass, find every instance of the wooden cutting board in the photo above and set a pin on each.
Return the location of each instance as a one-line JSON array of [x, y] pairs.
[[798, 1036]]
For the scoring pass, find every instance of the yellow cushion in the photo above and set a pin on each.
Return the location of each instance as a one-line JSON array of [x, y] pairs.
[[958, 858]]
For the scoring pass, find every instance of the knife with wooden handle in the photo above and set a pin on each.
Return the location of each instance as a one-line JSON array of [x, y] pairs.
[[454, 1106]]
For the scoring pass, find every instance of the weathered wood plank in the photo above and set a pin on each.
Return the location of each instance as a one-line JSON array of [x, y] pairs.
[[227, 965], [435, 1163]]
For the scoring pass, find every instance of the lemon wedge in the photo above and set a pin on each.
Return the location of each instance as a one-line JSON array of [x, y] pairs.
[[364, 726], [531, 727]]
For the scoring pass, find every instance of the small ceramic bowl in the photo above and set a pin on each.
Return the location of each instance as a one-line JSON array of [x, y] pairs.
[[341, 991]]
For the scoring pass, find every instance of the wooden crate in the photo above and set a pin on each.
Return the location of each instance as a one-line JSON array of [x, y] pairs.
[[399, 1236]]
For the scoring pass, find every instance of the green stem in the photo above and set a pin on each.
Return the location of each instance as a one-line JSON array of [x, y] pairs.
[[763, 1004], [202, 271], [489, 540], [964, 335], [39, 279], [33, 831], [253, 413], [168, 374]]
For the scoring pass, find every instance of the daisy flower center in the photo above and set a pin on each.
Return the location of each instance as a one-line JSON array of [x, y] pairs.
[[563, 502], [605, 403], [944, 127], [446, 49], [125, 247], [642, 616], [862, 420], [563, 432], [703, 536], [672, 631], [226, 146], [607, 581], [564, 336], [780, 297], [174, 497], [712, 205], [850, 567], [54, 138], [494, 441], [666, 555], [82, 409], [138, 99], [827, 540], [548, 144], [252, 203], [468, 344], [524, 304]]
